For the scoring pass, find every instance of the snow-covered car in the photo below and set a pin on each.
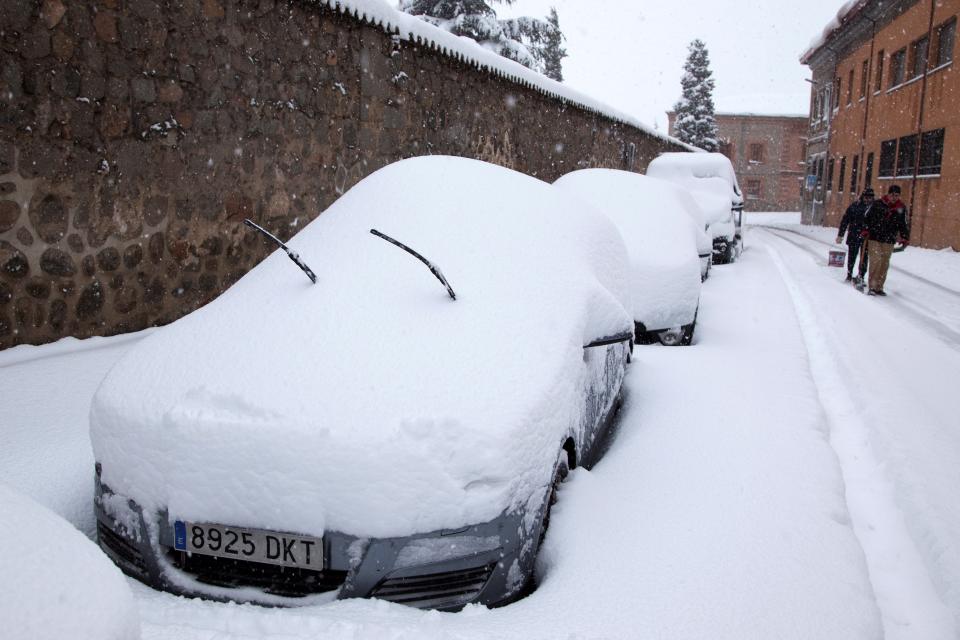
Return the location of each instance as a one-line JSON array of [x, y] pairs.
[[713, 183], [657, 222], [55, 583], [377, 433]]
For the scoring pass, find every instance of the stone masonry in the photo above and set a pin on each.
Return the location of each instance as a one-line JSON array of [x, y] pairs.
[[136, 135]]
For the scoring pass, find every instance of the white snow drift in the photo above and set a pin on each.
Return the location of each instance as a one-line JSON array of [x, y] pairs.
[[54, 582]]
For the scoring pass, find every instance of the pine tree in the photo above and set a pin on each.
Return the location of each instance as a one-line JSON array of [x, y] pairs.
[[552, 52], [695, 123], [518, 39]]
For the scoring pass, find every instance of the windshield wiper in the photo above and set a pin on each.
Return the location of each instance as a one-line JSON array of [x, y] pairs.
[[293, 254], [433, 268]]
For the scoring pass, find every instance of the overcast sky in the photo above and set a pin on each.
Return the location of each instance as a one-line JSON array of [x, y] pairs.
[[629, 54]]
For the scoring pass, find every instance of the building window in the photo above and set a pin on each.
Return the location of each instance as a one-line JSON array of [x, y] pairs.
[[888, 158], [819, 173], [919, 51], [850, 88], [754, 189], [854, 170], [864, 72], [931, 153], [878, 81], [756, 152], [830, 174], [836, 93], [898, 67], [906, 155], [843, 173], [945, 34], [868, 172]]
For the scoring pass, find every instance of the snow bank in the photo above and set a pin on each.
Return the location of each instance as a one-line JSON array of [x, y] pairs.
[[656, 221], [411, 28], [371, 403], [38, 419], [54, 582]]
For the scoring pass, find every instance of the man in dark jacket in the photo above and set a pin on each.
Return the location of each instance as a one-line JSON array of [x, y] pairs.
[[886, 223], [852, 224]]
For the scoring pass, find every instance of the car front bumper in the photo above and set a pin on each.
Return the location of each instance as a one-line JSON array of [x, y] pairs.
[[487, 563]]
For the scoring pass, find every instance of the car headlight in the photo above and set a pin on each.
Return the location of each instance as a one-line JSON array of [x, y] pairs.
[[422, 551]]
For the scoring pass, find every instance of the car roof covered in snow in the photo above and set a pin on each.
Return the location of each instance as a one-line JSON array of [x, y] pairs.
[[373, 397], [678, 166], [657, 221]]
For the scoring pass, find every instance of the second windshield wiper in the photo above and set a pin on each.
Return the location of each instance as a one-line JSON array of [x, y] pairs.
[[433, 268]]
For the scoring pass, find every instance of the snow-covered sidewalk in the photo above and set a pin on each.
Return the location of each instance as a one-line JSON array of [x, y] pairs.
[[771, 481]]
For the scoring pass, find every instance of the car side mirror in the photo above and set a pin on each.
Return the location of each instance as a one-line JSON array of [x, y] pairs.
[[612, 339]]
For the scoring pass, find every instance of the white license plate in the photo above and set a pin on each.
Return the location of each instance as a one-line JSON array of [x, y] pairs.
[[253, 545]]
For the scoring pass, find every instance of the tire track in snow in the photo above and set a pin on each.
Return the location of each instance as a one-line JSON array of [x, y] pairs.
[[903, 302], [909, 604]]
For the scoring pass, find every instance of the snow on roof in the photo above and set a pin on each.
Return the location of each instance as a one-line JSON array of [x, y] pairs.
[[372, 396], [55, 582], [656, 220], [749, 114], [844, 14], [411, 28]]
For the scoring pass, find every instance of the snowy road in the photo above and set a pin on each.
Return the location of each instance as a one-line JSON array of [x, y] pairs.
[[793, 474]]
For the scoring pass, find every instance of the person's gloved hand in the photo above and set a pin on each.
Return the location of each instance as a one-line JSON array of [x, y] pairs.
[[864, 234], [838, 239]]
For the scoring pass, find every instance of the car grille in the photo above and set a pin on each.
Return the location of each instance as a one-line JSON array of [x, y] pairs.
[[281, 581], [121, 550], [435, 590]]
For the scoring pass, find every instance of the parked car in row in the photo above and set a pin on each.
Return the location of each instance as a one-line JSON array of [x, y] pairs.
[[711, 180], [659, 223], [377, 433]]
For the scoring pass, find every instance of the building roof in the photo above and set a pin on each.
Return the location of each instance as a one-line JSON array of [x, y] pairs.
[[846, 13]]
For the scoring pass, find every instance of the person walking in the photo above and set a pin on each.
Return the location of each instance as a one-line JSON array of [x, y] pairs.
[[852, 224], [886, 222]]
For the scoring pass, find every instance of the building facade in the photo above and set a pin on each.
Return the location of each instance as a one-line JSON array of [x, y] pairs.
[[767, 152], [885, 109]]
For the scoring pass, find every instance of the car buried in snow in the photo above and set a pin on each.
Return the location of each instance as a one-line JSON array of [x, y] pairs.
[[713, 184], [658, 222], [375, 433]]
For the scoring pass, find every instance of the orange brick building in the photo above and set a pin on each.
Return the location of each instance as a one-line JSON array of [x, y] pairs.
[[885, 109]]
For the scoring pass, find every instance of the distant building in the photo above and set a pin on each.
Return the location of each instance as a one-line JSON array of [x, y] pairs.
[[885, 109], [767, 152]]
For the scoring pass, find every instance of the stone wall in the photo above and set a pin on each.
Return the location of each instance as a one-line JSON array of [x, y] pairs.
[[136, 135]]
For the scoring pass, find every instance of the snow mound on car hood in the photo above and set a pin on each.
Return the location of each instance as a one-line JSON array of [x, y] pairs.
[[661, 238], [56, 583], [371, 403]]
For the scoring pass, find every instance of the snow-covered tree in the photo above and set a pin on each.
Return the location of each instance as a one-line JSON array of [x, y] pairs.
[[551, 53], [695, 123], [517, 39]]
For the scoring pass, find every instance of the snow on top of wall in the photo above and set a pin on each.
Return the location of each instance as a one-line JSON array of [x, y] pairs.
[[380, 14], [847, 11]]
